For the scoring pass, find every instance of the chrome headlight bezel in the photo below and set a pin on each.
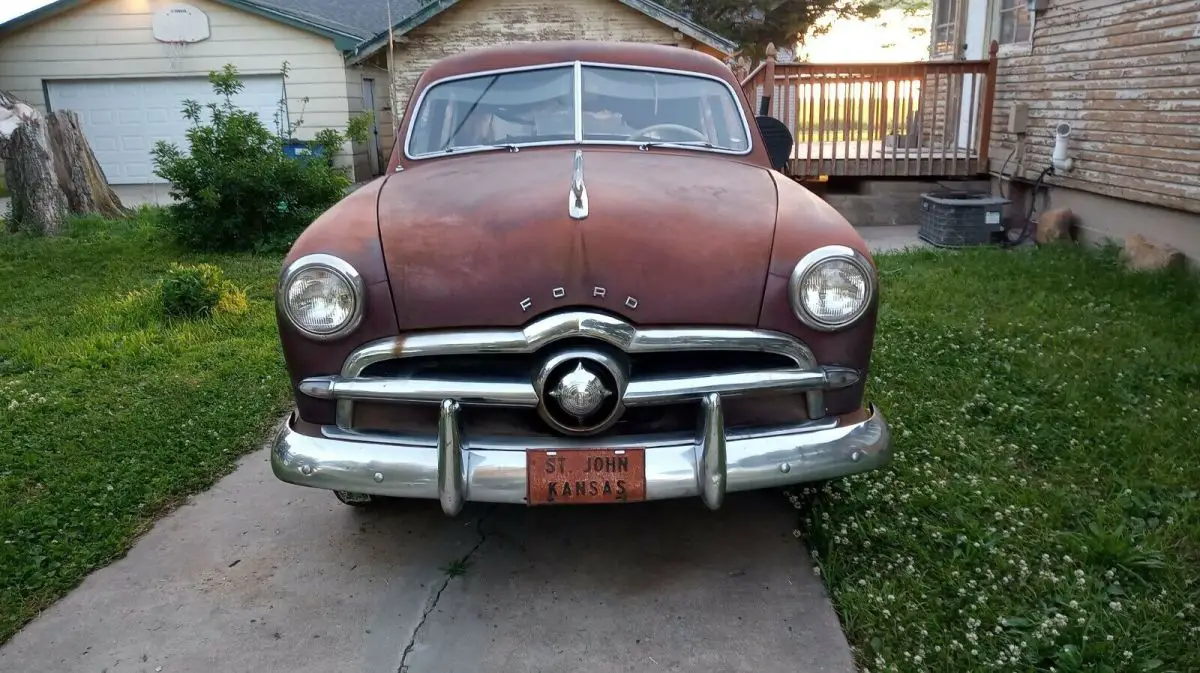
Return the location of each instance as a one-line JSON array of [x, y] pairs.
[[340, 268], [813, 261]]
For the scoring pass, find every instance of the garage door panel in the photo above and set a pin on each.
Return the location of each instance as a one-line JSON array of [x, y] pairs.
[[123, 118]]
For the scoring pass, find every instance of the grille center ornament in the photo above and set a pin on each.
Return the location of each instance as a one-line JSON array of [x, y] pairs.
[[580, 393], [580, 390]]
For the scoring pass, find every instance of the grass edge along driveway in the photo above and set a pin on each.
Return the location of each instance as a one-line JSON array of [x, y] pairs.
[[109, 414]]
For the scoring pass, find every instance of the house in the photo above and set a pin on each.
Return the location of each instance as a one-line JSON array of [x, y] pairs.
[[126, 66], [1119, 80], [431, 29]]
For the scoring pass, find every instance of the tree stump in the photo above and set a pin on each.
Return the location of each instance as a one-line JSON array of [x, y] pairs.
[[50, 169], [79, 174]]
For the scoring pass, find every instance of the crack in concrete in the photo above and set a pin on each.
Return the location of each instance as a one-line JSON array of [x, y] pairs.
[[437, 596]]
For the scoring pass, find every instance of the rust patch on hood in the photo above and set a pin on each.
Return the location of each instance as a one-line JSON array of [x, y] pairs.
[[487, 240]]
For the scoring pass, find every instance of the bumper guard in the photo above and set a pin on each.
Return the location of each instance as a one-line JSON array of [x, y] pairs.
[[455, 469]]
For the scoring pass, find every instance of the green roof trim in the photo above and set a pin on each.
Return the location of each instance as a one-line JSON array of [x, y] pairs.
[[344, 42], [651, 9], [39, 14]]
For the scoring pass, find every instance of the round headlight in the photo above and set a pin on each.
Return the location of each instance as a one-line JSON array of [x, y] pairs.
[[831, 287], [322, 295]]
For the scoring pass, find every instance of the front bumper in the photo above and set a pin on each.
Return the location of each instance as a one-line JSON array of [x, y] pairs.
[[454, 469]]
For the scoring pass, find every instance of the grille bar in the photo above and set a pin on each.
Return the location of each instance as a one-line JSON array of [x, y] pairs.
[[523, 394]]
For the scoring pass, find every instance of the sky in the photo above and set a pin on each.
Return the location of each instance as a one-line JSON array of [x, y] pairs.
[[10, 9]]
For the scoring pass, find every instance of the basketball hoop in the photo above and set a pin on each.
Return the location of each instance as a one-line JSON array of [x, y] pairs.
[[177, 26]]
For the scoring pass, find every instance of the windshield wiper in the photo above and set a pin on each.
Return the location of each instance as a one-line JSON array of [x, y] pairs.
[[470, 148], [677, 143]]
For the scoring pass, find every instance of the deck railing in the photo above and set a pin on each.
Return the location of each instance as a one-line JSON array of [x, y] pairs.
[[930, 119]]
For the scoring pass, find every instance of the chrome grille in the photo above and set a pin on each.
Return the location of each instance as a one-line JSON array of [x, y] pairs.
[[662, 376]]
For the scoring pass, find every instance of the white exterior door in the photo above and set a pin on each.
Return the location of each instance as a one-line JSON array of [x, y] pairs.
[[123, 118], [368, 103], [975, 48]]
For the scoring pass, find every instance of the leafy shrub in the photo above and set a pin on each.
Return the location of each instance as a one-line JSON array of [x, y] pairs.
[[235, 188], [199, 290]]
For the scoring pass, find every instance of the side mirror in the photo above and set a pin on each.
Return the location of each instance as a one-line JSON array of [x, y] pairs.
[[778, 139]]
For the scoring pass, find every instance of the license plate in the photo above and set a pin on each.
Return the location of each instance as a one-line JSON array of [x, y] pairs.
[[586, 476]]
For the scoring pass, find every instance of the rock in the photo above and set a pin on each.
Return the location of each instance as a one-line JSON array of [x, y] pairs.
[[1140, 254], [1058, 224]]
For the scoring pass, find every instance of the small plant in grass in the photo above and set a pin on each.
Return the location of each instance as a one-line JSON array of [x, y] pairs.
[[199, 290], [235, 187]]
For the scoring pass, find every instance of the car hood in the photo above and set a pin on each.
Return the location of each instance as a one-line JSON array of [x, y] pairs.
[[486, 240]]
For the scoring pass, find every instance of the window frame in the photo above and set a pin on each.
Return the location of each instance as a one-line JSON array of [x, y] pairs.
[[1021, 47], [956, 27], [577, 83]]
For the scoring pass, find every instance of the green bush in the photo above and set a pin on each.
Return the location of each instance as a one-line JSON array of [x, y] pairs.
[[235, 188], [199, 290]]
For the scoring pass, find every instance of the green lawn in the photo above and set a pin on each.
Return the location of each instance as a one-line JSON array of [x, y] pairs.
[[1042, 511], [109, 415]]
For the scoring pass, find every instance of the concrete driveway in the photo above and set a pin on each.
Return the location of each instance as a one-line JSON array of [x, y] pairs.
[[255, 575]]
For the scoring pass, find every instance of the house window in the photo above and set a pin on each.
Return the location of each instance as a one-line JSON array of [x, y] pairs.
[[1015, 26], [945, 28]]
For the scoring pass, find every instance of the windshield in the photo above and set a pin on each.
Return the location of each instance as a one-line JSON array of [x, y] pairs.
[[619, 105]]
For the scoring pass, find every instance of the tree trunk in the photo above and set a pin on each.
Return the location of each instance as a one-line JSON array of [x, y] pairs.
[[38, 205], [79, 174]]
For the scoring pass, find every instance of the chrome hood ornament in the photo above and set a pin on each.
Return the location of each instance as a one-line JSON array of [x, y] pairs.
[[578, 205], [580, 393]]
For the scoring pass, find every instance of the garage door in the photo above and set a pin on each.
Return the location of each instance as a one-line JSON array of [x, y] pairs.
[[123, 118]]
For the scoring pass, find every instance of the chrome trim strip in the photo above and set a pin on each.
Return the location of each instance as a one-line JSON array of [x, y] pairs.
[[419, 390], [683, 389], [711, 466], [339, 267], [396, 467], [577, 94], [577, 66], [810, 262], [452, 492]]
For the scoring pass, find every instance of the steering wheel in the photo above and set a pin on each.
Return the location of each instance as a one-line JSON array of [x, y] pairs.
[[641, 133]]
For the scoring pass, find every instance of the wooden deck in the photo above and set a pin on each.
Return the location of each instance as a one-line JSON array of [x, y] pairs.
[[921, 119], [810, 159]]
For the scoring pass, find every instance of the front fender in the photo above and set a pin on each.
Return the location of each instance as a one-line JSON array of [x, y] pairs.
[[805, 223], [349, 230]]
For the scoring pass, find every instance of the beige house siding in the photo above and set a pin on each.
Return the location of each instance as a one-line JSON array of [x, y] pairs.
[[112, 39], [1126, 76], [479, 23]]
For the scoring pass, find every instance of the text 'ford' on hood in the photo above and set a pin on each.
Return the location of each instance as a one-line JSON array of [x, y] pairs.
[[488, 239]]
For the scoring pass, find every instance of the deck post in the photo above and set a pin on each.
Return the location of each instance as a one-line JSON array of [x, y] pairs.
[[764, 108], [989, 102]]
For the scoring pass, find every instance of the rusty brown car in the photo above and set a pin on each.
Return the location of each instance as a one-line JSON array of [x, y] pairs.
[[582, 280]]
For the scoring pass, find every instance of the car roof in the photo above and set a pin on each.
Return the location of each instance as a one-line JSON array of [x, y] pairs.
[[540, 53]]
